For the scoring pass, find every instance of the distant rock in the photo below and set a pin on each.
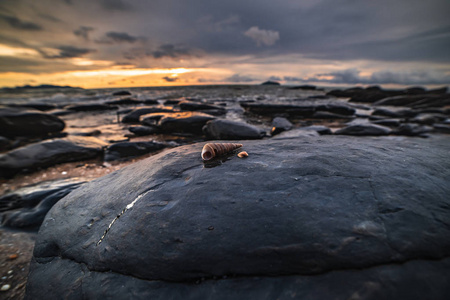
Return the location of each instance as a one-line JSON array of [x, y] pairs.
[[27, 206], [39, 87], [5, 143], [203, 107], [282, 109], [270, 83], [413, 130], [305, 87], [126, 150], [279, 125], [184, 122], [94, 132], [17, 122], [91, 107], [134, 116], [126, 101], [48, 153], [443, 128], [143, 130], [334, 108], [297, 133], [417, 101], [328, 217], [35, 105], [150, 101], [122, 93], [330, 115], [428, 119], [364, 130], [388, 122], [231, 130], [394, 113], [322, 130]]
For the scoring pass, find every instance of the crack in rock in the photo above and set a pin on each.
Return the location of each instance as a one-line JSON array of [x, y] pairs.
[[129, 206]]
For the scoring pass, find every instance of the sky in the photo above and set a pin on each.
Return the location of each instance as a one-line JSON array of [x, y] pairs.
[[125, 43]]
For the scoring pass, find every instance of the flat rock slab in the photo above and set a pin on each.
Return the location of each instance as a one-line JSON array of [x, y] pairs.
[[27, 206], [366, 217], [48, 153], [19, 122]]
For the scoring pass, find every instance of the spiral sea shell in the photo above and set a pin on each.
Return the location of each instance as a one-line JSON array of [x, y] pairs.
[[212, 150]]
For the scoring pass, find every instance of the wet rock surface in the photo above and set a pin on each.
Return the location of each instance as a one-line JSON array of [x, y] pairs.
[[23, 122], [125, 150], [49, 152], [328, 216], [229, 130], [364, 130], [27, 207]]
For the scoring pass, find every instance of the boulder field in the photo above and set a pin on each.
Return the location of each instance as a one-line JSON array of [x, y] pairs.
[[306, 218]]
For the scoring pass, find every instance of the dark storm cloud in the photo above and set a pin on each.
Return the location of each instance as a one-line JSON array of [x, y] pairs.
[[118, 37], [19, 24], [353, 76], [170, 50], [83, 32], [238, 78], [68, 52], [170, 79], [115, 5]]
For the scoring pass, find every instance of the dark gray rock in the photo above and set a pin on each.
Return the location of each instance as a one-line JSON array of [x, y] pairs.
[[27, 206], [184, 122], [126, 150], [273, 109], [48, 153], [409, 129], [443, 128], [134, 116], [428, 119], [394, 113], [364, 130], [417, 101], [5, 143], [297, 133], [125, 101], [338, 109], [35, 105], [94, 132], [18, 122], [330, 115], [150, 101], [388, 122], [198, 106], [320, 129], [143, 130], [270, 83], [305, 87], [91, 107], [231, 130], [279, 125], [318, 218], [122, 93]]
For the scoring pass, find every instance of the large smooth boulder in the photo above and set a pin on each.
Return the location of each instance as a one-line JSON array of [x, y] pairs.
[[48, 153], [318, 218], [27, 206], [19, 122], [221, 129]]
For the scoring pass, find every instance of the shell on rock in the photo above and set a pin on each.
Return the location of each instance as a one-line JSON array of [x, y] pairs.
[[242, 154], [212, 150]]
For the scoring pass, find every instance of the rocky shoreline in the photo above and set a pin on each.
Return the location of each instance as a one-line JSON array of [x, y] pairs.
[[80, 142]]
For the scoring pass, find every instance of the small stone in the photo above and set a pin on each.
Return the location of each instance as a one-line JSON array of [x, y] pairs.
[[13, 256], [242, 154], [10, 272], [210, 228], [5, 287]]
